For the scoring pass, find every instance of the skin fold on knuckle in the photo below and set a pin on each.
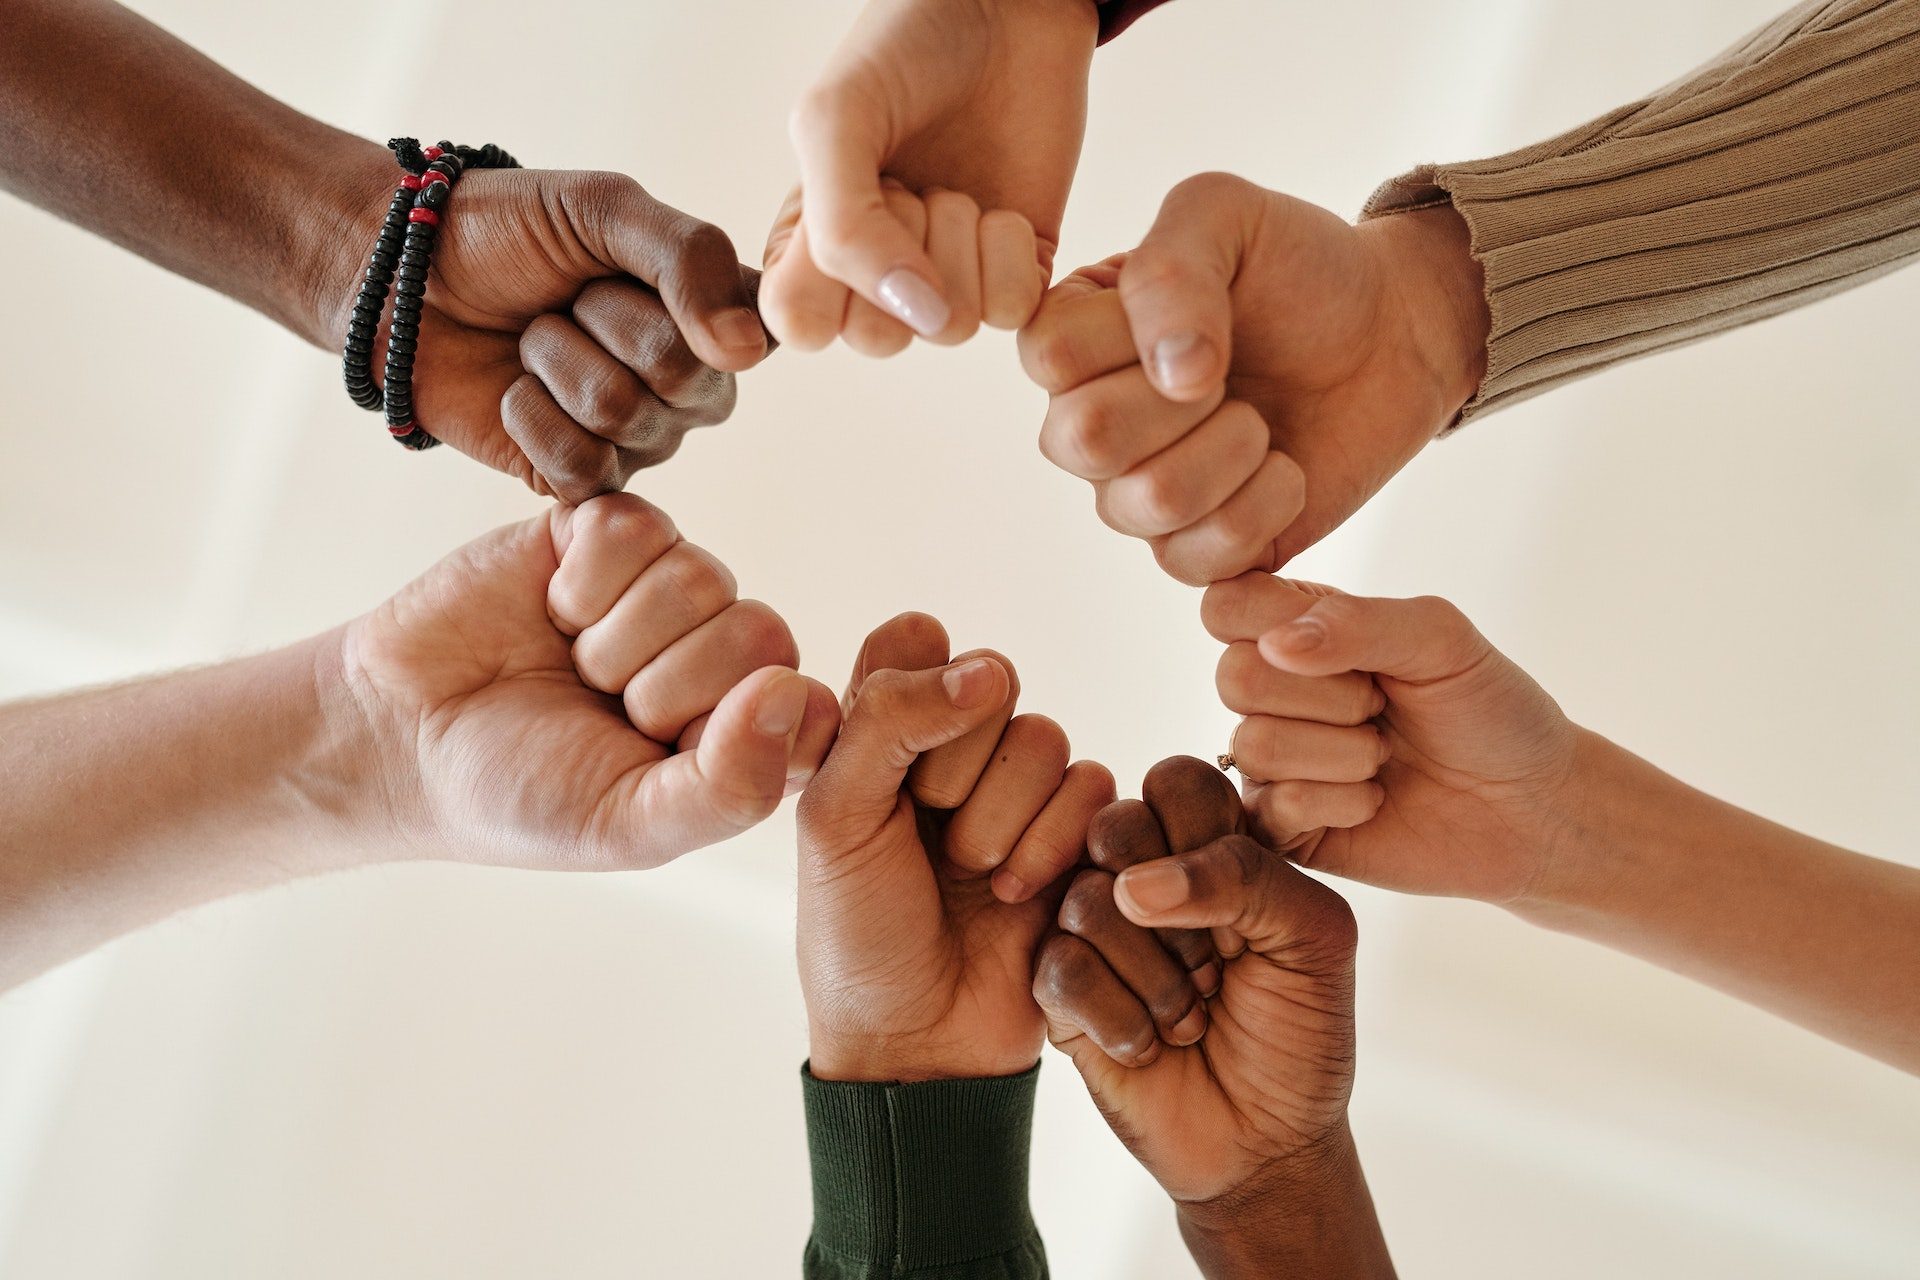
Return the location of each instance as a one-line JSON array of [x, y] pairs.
[[1087, 906], [761, 635]]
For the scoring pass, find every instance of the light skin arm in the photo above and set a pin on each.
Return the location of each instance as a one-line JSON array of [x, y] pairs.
[[581, 691], [126, 804], [1820, 935], [1486, 790]]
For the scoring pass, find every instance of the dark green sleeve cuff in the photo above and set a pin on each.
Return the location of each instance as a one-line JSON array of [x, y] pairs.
[[922, 1180]]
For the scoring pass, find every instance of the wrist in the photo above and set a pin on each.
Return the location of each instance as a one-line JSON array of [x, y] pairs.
[[1427, 260], [350, 189], [1309, 1214], [1617, 814], [869, 1059], [356, 776]]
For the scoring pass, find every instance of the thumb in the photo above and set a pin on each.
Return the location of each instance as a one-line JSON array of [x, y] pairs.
[[851, 234], [1175, 286], [1418, 641], [691, 264], [736, 775], [897, 715], [1235, 883]]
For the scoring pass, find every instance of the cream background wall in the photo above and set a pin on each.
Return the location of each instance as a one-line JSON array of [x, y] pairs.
[[439, 1071]]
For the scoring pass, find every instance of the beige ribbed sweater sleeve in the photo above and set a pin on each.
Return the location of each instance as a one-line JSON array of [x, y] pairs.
[[1784, 170]]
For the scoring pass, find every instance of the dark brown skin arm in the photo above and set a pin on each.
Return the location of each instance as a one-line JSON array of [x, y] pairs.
[[1312, 1217], [115, 126]]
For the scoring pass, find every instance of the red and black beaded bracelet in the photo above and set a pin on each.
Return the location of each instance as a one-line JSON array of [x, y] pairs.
[[399, 263]]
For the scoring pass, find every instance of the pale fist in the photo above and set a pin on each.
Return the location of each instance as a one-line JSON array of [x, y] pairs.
[[583, 690], [1255, 370], [986, 266], [985, 100], [1387, 741]]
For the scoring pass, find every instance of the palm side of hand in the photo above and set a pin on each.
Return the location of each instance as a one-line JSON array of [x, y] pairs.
[[517, 760], [945, 965], [1473, 789], [1270, 1078]]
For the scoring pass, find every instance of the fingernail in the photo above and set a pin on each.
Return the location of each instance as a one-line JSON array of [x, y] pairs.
[[913, 301], [738, 329], [781, 705], [1301, 635], [1190, 1028], [1206, 979], [970, 684], [1155, 887], [1010, 888], [1182, 361]]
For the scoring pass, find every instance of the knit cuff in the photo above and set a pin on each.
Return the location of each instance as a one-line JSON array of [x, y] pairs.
[[1786, 170], [911, 1178]]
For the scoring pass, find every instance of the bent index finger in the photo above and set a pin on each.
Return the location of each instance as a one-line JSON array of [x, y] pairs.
[[690, 263], [1126, 833], [1079, 333]]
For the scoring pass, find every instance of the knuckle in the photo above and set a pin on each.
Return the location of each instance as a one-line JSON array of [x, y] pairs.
[[1059, 975], [1088, 902], [1170, 998], [580, 471], [956, 205], [1332, 924], [1161, 496], [1246, 861], [1090, 436], [1051, 356], [693, 584], [762, 634], [1443, 617], [608, 397], [603, 191], [703, 243], [817, 111], [542, 336], [1152, 270], [1237, 676], [1211, 185], [1365, 701], [623, 521], [1183, 779], [741, 802], [1289, 476], [1136, 1045], [1038, 739], [668, 363]]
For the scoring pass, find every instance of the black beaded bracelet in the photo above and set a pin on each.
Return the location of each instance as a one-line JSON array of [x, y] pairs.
[[399, 262]]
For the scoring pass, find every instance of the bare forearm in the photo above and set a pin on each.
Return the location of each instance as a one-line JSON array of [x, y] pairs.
[[1821, 936], [119, 806], [1312, 1219], [114, 125]]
